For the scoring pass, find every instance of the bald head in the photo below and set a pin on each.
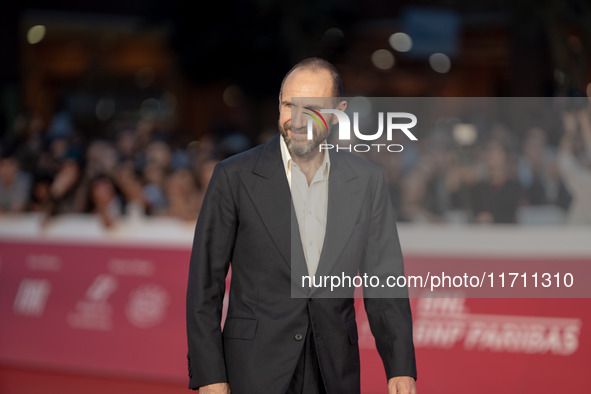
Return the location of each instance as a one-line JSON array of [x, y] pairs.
[[318, 84], [317, 65]]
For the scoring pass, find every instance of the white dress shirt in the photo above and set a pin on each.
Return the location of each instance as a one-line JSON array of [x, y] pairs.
[[310, 203]]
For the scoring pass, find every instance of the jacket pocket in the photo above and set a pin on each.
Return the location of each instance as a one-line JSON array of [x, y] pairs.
[[352, 331], [240, 328]]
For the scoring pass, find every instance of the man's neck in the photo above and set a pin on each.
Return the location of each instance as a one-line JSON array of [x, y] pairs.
[[309, 163]]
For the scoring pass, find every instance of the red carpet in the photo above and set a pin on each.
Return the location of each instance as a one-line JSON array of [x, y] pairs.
[[28, 381]]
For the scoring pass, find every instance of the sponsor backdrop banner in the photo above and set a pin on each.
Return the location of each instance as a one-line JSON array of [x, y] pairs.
[[94, 308], [119, 311]]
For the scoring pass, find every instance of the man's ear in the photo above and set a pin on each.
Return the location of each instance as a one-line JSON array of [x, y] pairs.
[[341, 106], [280, 100]]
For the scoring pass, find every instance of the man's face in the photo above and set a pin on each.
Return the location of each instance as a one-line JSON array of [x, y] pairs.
[[293, 123]]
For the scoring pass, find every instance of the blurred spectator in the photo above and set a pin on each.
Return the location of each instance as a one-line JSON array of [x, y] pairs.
[[497, 197], [61, 125], [180, 159], [554, 188], [101, 158], [204, 173], [537, 173], [575, 171], [436, 163], [40, 195], [460, 182], [232, 144], [126, 145], [63, 187], [530, 168], [28, 140], [14, 185], [103, 200], [392, 168], [50, 159], [143, 135], [158, 153], [153, 190], [130, 186], [184, 200], [413, 197]]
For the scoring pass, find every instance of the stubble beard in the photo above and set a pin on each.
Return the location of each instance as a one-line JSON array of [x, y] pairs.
[[303, 149]]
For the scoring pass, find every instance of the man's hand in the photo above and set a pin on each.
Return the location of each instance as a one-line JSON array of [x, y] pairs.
[[216, 388], [402, 385]]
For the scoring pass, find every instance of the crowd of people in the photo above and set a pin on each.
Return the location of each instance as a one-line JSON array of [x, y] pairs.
[[508, 178], [140, 169]]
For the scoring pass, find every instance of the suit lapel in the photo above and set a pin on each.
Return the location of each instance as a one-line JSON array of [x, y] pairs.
[[267, 186], [344, 203]]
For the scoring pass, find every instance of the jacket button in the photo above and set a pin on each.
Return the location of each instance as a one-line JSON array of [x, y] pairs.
[[298, 337]]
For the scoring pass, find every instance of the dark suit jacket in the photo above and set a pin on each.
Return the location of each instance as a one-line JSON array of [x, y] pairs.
[[245, 219]]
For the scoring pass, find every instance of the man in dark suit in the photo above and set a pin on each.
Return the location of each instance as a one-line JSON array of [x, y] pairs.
[[276, 339]]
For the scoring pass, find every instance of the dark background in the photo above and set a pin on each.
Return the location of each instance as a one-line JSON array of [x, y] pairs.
[[196, 50]]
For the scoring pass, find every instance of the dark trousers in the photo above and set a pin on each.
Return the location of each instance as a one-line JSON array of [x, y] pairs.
[[307, 378]]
